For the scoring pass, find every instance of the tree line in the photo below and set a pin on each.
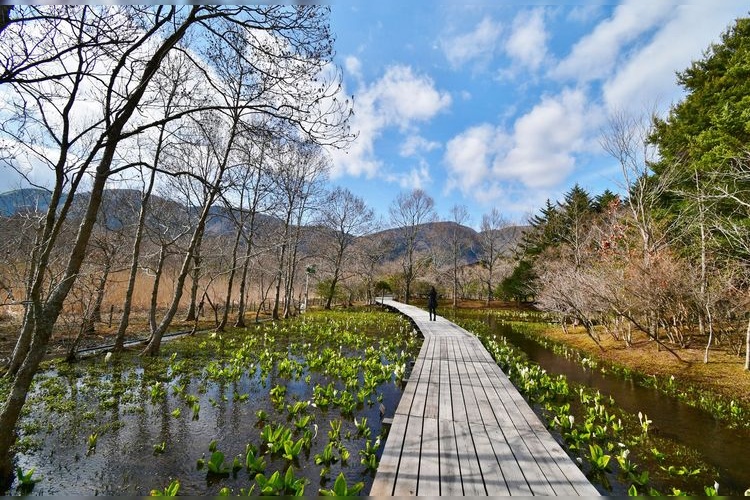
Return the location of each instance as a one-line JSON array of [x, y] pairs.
[[668, 258]]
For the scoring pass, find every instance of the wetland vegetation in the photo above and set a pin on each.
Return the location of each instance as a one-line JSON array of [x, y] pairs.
[[292, 407], [594, 410]]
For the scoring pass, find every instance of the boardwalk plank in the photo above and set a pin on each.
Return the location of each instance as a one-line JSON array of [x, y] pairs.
[[450, 471], [429, 464], [471, 474], [492, 474], [432, 400], [408, 469], [461, 427], [457, 395], [389, 460], [445, 404]]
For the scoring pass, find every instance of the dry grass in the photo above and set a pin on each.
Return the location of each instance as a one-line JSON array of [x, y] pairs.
[[724, 373]]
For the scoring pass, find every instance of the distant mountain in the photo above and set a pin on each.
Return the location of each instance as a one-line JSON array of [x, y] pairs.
[[122, 206], [24, 201], [441, 234]]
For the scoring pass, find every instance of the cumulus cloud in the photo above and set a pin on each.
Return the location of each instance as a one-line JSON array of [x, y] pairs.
[[527, 44], [415, 144], [468, 156], [649, 73], [537, 153], [544, 141], [416, 177], [353, 66], [595, 55], [477, 45], [401, 99]]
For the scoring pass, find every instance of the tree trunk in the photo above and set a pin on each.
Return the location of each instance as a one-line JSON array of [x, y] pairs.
[[45, 316], [331, 291], [154, 344], [16, 398], [136, 252], [96, 311], [279, 276], [225, 317], [240, 322], [155, 289], [195, 276]]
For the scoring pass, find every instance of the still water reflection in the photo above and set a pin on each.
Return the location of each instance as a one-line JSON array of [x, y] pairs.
[[720, 446]]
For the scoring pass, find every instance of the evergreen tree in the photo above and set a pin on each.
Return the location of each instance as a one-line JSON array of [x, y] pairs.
[[521, 284], [543, 232], [603, 201]]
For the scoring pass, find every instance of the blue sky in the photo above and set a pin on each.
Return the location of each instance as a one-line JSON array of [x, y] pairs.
[[500, 104]]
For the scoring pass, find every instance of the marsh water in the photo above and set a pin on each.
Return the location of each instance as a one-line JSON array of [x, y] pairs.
[[715, 442], [116, 402]]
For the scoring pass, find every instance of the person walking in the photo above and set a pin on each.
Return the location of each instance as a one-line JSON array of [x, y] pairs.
[[432, 304]]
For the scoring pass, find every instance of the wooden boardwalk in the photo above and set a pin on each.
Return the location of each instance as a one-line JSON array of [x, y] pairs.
[[462, 428]]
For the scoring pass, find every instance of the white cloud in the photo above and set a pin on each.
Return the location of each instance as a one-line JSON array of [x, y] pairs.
[[595, 55], [537, 155], [417, 177], [415, 144], [527, 44], [402, 99], [353, 66], [649, 73], [478, 45], [23, 168], [468, 156], [583, 13], [544, 141]]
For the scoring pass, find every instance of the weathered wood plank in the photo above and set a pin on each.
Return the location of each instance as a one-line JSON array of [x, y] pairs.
[[429, 460], [450, 471], [471, 474], [432, 400], [461, 428], [389, 461], [407, 475], [445, 401], [457, 395]]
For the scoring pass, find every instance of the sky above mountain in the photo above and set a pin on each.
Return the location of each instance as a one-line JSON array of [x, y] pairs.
[[501, 103]]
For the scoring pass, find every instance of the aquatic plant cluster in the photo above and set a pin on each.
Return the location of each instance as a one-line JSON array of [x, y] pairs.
[[734, 413], [281, 408], [615, 449]]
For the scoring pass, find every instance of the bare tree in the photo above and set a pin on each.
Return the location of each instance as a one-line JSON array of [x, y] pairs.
[[368, 254], [346, 216], [626, 140], [172, 77], [52, 55], [299, 168], [458, 245], [408, 212], [493, 224], [252, 150], [167, 226], [732, 185]]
